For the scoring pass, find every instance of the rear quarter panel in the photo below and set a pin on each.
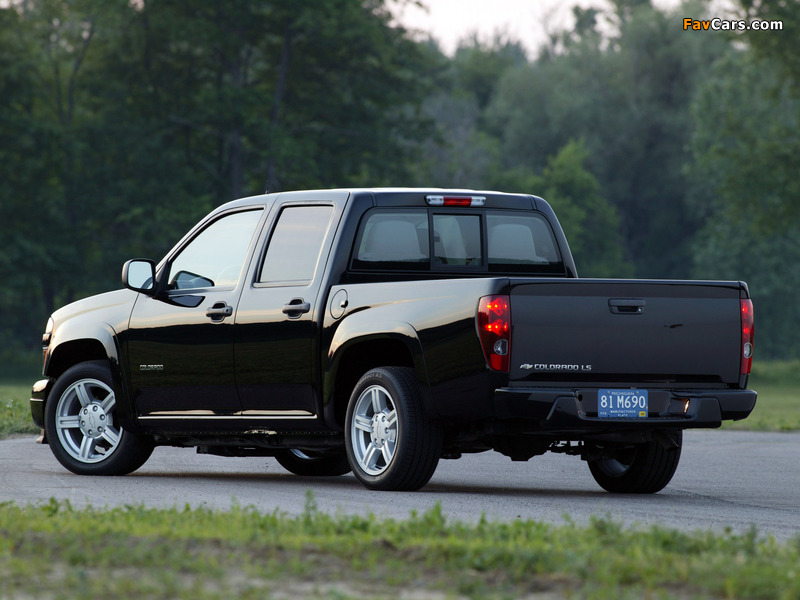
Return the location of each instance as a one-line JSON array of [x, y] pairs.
[[436, 320]]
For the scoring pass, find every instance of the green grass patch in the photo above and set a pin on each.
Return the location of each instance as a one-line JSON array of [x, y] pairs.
[[55, 551], [15, 409], [778, 406]]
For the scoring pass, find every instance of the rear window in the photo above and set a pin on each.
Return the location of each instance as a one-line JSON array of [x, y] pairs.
[[497, 242], [522, 243]]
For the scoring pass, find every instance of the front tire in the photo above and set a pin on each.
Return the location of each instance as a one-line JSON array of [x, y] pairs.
[[642, 469], [391, 443], [82, 427]]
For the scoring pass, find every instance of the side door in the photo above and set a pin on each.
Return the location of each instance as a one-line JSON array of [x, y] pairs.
[[180, 342], [280, 313]]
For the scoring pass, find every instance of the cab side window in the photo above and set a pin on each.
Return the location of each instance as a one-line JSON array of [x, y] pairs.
[[394, 240], [215, 257]]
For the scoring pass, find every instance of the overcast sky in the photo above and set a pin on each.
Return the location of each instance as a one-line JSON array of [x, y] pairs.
[[448, 21]]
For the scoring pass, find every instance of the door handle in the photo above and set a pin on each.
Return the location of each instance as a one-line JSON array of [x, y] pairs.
[[296, 307], [219, 311]]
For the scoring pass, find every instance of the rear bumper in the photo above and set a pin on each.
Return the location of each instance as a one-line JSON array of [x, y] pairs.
[[576, 410]]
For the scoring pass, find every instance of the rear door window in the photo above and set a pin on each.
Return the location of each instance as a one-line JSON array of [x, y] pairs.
[[295, 246]]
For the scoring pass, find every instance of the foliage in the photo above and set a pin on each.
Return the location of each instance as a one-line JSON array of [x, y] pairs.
[[122, 123], [746, 144], [747, 155], [590, 221], [626, 95], [781, 46], [140, 552]]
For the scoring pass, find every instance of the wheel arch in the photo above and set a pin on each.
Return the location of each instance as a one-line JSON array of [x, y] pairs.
[[350, 357], [70, 353], [66, 352]]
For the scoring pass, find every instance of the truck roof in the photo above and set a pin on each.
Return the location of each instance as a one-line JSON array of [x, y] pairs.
[[399, 196]]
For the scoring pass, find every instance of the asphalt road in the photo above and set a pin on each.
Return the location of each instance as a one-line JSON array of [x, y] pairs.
[[725, 480]]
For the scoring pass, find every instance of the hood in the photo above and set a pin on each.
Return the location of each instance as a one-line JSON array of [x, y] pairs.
[[110, 307]]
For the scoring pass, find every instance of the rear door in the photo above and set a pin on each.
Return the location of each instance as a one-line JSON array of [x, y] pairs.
[[280, 312]]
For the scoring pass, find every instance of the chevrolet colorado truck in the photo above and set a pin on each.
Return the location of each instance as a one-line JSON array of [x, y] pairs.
[[381, 330]]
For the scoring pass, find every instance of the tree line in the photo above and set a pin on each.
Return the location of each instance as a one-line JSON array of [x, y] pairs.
[[666, 153]]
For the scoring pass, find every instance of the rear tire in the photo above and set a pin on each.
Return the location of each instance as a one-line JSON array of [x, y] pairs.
[[82, 428], [391, 443], [313, 464], [643, 469]]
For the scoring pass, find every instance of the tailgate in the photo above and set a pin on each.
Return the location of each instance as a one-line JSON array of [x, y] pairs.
[[625, 331]]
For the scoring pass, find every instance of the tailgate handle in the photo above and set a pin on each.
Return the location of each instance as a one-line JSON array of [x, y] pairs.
[[626, 306]]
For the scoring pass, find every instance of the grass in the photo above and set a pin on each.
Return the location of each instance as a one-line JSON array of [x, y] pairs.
[[15, 409], [55, 551], [778, 406]]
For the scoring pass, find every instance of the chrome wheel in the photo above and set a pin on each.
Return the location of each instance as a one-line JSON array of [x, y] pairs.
[[85, 421], [374, 430], [390, 441], [83, 428]]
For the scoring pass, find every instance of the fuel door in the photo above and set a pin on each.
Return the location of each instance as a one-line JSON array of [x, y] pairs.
[[338, 304]]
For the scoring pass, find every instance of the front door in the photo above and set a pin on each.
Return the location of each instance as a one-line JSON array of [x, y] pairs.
[[180, 343]]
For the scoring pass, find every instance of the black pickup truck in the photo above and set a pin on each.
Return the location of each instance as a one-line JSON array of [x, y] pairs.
[[380, 330]]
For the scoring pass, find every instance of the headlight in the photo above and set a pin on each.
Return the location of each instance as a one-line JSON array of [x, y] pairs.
[[48, 332]]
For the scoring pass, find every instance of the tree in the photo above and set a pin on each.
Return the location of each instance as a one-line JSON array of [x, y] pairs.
[[745, 145], [746, 154], [590, 222], [124, 122], [627, 95], [779, 45]]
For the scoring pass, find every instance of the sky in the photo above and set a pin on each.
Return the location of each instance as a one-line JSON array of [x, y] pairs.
[[527, 21]]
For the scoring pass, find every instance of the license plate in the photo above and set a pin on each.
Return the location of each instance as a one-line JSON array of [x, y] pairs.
[[622, 404]]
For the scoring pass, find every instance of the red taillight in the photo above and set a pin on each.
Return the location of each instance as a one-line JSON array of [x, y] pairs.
[[747, 336], [494, 329]]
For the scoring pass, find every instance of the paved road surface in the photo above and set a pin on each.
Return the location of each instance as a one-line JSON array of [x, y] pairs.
[[725, 479]]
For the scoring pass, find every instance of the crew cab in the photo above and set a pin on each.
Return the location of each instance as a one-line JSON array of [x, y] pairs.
[[381, 330]]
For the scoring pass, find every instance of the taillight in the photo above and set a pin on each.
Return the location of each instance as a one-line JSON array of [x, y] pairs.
[[455, 200], [494, 329], [747, 336]]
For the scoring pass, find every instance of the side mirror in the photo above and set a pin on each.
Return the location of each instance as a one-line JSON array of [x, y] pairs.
[[139, 275]]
